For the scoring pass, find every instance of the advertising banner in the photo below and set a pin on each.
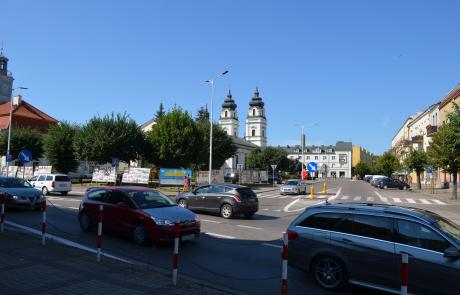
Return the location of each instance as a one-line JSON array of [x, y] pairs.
[[217, 176], [104, 173], [43, 170], [173, 176], [136, 175]]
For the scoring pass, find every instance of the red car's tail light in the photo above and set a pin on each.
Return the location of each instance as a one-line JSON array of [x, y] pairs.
[[53, 184], [237, 198], [292, 235]]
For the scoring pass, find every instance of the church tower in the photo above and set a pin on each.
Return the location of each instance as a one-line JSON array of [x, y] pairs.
[[6, 80], [228, 120], [256, 123]]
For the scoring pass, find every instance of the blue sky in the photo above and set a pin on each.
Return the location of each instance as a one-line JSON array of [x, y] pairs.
[[357, 68]]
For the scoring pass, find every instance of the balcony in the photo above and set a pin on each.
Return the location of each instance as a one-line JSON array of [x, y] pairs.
[[407, 143], [417, 139], [430, 130]]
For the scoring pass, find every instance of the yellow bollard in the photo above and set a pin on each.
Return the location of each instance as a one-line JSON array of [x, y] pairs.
[[312, 192], [324, 188]]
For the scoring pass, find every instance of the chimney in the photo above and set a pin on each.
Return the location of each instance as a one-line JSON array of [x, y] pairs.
[[17, 100]]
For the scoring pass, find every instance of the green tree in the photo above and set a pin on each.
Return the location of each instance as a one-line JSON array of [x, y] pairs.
[[160, 113], [444, 150], [22, 139], [255, 159], [263, 158], [222, 146], [387, 164], [362, 169], [59, 147], [417, 161], [111, 136], [175, 139]]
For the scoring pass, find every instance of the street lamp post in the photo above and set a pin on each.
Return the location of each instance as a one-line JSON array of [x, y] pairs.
[[302, 143], [9, 129], [212, 81]]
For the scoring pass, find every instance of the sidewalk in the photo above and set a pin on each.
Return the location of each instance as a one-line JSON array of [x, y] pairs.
[[27, 267]]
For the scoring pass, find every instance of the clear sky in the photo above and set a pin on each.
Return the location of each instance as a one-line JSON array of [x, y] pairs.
[[357, 68]]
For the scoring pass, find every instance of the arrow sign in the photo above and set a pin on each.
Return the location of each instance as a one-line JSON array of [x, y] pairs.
[[312, 167], [25, 156]]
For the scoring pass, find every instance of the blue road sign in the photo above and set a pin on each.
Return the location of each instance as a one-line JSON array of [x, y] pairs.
[[312, 167], [9, 158], [429, 170], [115, 161], [25, 156]]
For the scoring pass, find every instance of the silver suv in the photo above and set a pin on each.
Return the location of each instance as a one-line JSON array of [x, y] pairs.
[[362, 244]]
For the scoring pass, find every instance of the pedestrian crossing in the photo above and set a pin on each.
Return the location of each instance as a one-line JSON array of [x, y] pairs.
[[358, 199]]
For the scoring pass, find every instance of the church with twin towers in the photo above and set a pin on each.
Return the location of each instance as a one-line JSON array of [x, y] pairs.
[[255, 129]]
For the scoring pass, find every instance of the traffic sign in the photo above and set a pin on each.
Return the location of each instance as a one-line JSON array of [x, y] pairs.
[[115, 161], [312, 167], [25, 156], [274, 166], [429, 170], [9, 158]]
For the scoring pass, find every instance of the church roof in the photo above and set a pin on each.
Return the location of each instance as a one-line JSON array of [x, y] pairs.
[[242, 142], [229, 103], [256, 100]]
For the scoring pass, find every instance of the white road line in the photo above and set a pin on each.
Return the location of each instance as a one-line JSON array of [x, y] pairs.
[[382, 198], [345, 198], [251, 227], [220, 236], [266, 196], [74, 208], [438, 202], [284, 197], [397, 200], [425, 201], [411, 201], [275, 196], [277, 210], [265, 209], [336, 195], [370, 199], [273, 245], [212, 221], [357, 198]]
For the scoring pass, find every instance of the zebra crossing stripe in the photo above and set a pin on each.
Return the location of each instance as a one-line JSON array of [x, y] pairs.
[[265, 196], [411, 201], [438, 202], [397, 200], [370, 199], [345, 197], [425, 201], [356, 198], [284, 197]]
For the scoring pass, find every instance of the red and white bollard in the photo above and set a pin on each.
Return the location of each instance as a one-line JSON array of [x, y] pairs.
[[2, 213], [176, 251], [404, 273], [284, 255], [99, 233], [44, 223]]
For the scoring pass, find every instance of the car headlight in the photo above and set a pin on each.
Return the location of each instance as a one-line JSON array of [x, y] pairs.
[[197, 219], [15, 197], [161, 221]]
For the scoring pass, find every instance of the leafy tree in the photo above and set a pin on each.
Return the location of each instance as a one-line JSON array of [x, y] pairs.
[[387, 164], [176, 139], [362, 169], [222, 146], [111, 136], [21, 139], [255, 159], [444, 149], [59, 147], [417, 161], [263, 158], [160, 113]]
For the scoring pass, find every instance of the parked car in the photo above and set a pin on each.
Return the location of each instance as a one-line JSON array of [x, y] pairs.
[[226, 199], [277, 178], [386, 183], [293, 186], [232, 177], [362, 245], [367, 178], [20, 193], [144, 214], [52, 183], [374, 179]]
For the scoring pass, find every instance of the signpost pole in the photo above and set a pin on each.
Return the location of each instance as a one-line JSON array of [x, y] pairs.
[[273, 168]]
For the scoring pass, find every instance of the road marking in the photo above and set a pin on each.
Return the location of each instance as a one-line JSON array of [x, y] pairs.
[[438, 202], [62, 199], [397, 200], [220, 236], [277, 210], [356, 198], [275, 196], [336, 195], [251, 227], [411, 201], [425, 201], [270, 195], [265, 209], [284, 197], [382, 198], [212, 221], [370, 199], [74, 208], [273, 245], [345, 198]]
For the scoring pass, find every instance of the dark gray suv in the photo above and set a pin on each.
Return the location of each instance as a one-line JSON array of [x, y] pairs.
[[362, 244]]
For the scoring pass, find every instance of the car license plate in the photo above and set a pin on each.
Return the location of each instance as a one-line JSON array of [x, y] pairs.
[[187, 237], [63, 185]]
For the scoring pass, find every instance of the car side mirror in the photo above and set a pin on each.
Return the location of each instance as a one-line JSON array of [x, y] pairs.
[[122, 205], [452, 252]]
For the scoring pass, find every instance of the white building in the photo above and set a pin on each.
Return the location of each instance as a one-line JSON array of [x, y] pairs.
[[332, 161], [419, 128], [256, 123]]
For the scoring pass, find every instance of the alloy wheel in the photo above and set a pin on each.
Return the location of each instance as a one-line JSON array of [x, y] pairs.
[[182, 203], [226, 211], [328, 273], [139, 235]]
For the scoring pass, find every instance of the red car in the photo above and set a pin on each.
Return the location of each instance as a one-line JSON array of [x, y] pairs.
[[144, 214]]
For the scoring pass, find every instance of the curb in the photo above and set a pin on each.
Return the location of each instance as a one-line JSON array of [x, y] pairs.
[[141, 265]]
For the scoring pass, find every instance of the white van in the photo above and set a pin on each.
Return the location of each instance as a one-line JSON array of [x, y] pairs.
[[52, 183]]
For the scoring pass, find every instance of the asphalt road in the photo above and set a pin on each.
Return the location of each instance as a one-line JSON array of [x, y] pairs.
[[240, 254]]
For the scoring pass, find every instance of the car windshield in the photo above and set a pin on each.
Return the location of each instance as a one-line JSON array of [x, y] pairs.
[[452, 229], [14, 183], [151, 199], [292, 182]]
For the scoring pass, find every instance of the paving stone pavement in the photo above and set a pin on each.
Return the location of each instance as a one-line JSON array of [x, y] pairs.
[[27, 267]]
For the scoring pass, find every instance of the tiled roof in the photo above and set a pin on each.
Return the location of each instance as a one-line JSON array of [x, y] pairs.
[[23, 110], [450, 96]]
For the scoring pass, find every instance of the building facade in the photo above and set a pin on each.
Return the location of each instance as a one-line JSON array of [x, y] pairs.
[[6, 80], [256, 122], [360, 155], [333, 161]]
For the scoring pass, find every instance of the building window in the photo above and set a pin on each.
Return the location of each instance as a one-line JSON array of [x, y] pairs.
[[333, 157], [316, 157], [308, 157], [324, 157], [226, 114], [332, 165], [253, 132], [234, 133], [263, 133], [254, 112]]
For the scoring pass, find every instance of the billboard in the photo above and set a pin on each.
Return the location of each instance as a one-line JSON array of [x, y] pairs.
[[136, 175], [104, 173], [173, 176]]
